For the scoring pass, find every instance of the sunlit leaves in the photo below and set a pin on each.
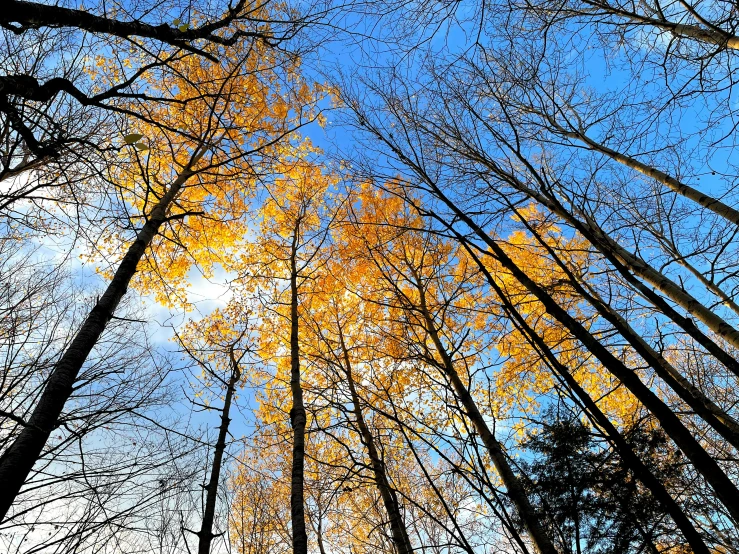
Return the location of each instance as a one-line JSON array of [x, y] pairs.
[[242, 111]]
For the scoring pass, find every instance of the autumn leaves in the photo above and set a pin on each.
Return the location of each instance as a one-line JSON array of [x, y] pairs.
[[371, 319], [217, 128]]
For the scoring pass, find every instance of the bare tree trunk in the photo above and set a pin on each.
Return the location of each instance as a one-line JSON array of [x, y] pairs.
[[629, 265], [662, 283], [708, 410], [708, 202], [389, 498], [641, 471], [634, 266], [17, 462], [710, 35], [725, 489], [205, 535], [530, 516], [297, 414]]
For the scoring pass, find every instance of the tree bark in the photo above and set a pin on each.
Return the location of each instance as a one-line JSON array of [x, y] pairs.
[[389, 498], [297, 414], [205, 535], [17, 462], [663, 284]]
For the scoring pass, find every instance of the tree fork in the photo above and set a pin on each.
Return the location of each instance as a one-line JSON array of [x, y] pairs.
[[712, 35]]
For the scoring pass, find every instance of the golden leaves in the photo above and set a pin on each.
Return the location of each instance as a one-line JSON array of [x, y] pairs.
[[231, 123]]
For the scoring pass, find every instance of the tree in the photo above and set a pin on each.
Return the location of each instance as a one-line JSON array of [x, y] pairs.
[[460, 130], [44, 96], [260, 510], [414, 268], [335, 321], [505, 320], [235, 135], [294, 221], [595, 503], [219, 345]]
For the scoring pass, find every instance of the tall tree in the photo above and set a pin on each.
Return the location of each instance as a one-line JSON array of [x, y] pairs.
[[294, 222], [220, 345], [236, 132], [338, 340], [423, 285]]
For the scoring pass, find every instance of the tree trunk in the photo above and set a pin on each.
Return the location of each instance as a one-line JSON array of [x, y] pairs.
[[297, 415], [318, 528], [629, 266], [530, 516], [662, 283], [711, 413], [205, 535], [17, 462], [389, 498], [704, 200], [713, 35]]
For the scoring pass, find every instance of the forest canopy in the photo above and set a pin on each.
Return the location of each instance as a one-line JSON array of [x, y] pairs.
[[369, 277]]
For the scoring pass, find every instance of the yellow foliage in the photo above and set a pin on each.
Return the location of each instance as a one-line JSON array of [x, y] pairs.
[[232, 123]]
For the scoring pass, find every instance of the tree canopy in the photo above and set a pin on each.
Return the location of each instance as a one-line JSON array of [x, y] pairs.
[[369, 277]]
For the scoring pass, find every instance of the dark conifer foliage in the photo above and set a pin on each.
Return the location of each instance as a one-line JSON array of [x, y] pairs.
[[592, 500]]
